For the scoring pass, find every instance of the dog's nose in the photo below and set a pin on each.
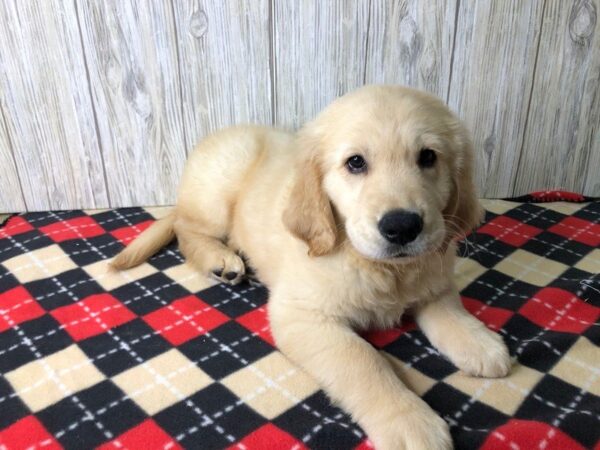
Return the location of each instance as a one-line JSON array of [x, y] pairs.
[[400, 226]]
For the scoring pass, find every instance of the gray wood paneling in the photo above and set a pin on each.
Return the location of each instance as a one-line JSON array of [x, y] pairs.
[[224, 55], [410, 43], [46, 106], [102, 100], [131, 54], [11, 194], [320, 49], [492, 76], [562, 141]]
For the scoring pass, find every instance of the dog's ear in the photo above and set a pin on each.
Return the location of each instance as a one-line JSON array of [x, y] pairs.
[[308, 215], [463, 212]]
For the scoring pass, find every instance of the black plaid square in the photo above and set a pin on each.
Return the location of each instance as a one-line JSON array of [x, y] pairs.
[[91, 416], [63, 289], [11, 405], [91, 250], [235, 301], [558, 248], [123, 217], [13, 246], [485, 249], [535, 215], [464, 414], [127, 346], [213, 418], [228, 348], [564, 406], [148, 294], [504, 291], [169, 257], [535, 347], [45, 333], [414, 349], [319, 425]]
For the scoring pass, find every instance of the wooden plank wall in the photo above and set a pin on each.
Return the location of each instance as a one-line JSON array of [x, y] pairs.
[[101, 100]]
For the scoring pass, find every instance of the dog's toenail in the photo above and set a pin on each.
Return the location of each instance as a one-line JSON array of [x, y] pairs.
[[218, 273], [231, 275]]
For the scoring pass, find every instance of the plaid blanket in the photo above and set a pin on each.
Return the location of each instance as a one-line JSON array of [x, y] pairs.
[[154, 357]]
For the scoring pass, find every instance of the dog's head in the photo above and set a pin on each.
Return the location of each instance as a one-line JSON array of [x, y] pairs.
[[388, 166]]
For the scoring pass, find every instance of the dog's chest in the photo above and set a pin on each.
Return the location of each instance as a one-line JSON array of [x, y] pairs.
[[379, 298]]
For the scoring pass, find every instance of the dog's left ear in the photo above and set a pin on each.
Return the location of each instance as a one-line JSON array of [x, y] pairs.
[[463, 211], [308, 215]]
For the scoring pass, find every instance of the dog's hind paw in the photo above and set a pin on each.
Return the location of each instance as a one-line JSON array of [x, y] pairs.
[[231, 270]]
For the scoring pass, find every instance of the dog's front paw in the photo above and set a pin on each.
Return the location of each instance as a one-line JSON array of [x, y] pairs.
[[484, 356], [421, 429]]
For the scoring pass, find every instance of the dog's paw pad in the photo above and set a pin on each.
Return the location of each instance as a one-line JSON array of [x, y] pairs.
[[231, 271], [231, 275]]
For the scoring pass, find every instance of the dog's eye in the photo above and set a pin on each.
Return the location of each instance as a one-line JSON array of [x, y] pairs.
[[356, 164], [427, 158]]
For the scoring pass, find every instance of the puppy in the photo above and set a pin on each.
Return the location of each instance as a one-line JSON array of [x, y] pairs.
[[349, 223]]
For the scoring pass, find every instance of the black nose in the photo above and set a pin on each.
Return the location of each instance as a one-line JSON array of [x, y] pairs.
[[400, 226]]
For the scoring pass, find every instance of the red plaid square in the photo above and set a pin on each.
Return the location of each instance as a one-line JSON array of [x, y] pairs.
[[16, 225], [257, 322], [146, 435], [93, 315], [17, 306], [27, 433], [517, 433], [80, 227], [127, 234], [493, 317], [510, 230], [268, 437], [381, 338], [579, 230], [560, 310], [364, 445], [184, 319]]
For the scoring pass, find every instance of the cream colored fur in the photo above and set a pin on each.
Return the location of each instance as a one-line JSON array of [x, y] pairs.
[[309, 229]]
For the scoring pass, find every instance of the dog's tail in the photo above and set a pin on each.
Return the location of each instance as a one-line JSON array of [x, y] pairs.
[[156, 236]]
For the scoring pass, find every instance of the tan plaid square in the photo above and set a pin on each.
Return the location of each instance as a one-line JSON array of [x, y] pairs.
[[189, 278], [580, 366], [563, 207], [42, 263], [271, 385], [591, 262], [110, 279], [416, 381], [504, 394], [162, 381], [466, 271], [45, 381], [531, 268], [498, 206]]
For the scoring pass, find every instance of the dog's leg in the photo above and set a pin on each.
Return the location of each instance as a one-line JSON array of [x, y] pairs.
[[358, 378], [467, 342], [207, 253]]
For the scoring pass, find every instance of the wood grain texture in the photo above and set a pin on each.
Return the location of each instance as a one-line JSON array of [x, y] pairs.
[[320, 49], [561, 148], [131, 54], [224, 56], [410, 43], [11, 195], [493, 70], [46, 105]]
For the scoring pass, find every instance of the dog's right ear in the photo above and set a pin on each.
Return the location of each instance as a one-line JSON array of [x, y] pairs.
[[308, 215]]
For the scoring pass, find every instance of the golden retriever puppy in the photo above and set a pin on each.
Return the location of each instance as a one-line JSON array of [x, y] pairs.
[[349, 223]]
